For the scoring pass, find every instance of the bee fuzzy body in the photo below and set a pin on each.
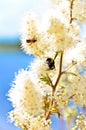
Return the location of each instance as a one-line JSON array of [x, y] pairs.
[[51, 63], [30, 41]]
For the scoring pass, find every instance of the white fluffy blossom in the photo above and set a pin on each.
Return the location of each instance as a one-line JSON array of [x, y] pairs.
[[80, 93], [20, 117], [79, 10], [52, 35], [80, 122], [61, 97], [39, 124], [56, 25], [76, 53], [25, 95], [34, 41], [27, 122]]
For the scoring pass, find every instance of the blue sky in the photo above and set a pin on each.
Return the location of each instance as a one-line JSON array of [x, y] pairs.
[[12, 11]]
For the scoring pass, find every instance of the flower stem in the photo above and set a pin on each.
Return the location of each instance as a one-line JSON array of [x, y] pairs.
[[60, 71], [69, 67], [54, 86], [71, 8]]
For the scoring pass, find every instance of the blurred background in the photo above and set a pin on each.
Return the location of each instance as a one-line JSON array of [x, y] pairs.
[[12, 57]]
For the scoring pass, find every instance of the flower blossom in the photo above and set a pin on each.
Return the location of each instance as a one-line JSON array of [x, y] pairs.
[[25, 95]]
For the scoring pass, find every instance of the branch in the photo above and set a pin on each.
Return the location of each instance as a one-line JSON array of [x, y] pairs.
[[50, 80], [51, 100], [49, 111], [71, 96], [56, 55], [60, 71], [54, 86], [69, 67], [71, 8], [25, 127]]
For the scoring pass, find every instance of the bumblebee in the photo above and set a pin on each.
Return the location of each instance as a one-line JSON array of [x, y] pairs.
[[31, 40], [51, 63]]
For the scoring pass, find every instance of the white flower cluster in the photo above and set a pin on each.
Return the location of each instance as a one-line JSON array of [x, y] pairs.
[[80, 122], [78, 9], [53, 79], [25, 94], [80, 91], [25, 121]]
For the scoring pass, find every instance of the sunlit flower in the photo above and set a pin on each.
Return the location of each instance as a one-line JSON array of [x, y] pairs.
[[25, 95], [40, 124], [79, 10], [76, 53], [61, 97], [34, 41], [80, 122], [81, 91], [27, 122], [54, 25], [20, 118]]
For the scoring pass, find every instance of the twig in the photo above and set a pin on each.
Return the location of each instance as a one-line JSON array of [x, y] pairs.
[[69, 67], [71, 8], [60, 71], [25, 127], [44, 107], [56, 55], [49, 111], [50, 80], [71, 96], [54, 86]]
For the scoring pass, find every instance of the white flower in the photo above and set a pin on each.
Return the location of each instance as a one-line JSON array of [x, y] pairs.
[[61, 97], [64, 7], [25, 95], [79, 10], [39, 124], [34, 40], [25, 121], [29, 25], [76, 53], [65, 35], [29, 32], [80, 122], [20, 117], [81, 91]]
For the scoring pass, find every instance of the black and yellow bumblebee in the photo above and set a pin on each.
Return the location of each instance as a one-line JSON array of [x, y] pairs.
[[51, 62], [30, 41]]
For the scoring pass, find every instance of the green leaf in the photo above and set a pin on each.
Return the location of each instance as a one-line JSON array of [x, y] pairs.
[[45, 79], [73, 74]]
